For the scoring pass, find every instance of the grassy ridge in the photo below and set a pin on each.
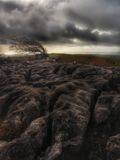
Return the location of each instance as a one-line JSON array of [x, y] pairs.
[[100, 60]]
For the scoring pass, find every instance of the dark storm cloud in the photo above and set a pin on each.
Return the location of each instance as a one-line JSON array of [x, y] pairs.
[[9, 6], [102, 14], [90, 35], [92, 21], [72, 32]]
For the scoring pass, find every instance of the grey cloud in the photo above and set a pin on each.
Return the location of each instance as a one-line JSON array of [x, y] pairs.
[[58, 21], [9, 6], [101, 14]]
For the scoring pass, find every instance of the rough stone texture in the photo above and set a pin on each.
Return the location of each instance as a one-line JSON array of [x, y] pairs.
[[55, 111]]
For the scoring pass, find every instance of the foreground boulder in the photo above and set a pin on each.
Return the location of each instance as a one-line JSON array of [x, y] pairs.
[[55, 111]]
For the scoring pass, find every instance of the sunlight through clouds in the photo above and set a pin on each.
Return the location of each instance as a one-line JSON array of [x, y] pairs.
[[62, 22]]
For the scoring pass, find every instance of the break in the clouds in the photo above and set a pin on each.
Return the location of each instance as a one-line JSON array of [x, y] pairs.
[[70, 21]]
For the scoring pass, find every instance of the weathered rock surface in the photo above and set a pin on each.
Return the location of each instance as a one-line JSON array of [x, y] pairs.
[[55, 111]]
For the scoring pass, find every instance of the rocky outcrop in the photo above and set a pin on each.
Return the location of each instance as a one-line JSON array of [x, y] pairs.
[[55, 111]]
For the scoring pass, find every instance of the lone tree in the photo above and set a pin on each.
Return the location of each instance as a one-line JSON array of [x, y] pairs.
[[32, 47]]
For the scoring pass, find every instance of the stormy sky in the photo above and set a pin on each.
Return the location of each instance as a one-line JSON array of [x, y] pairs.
[[61, 22]]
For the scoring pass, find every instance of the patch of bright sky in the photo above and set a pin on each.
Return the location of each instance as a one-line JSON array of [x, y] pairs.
[[86, 49], [5, 50], [101, 32]]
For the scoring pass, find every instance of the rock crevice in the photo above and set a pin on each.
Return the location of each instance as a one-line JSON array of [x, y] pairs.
[[55, 111]]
